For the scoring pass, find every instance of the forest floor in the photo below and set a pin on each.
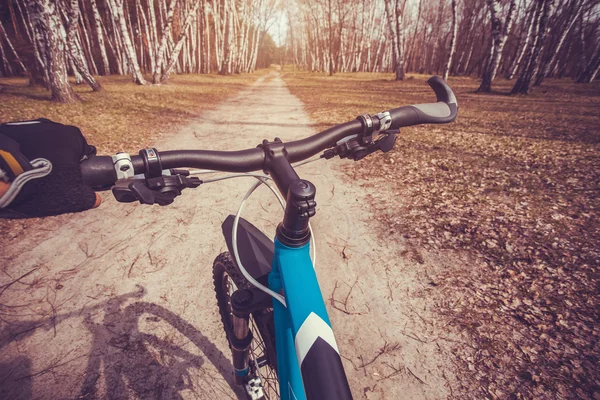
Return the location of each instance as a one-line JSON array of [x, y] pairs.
[[513, 189]]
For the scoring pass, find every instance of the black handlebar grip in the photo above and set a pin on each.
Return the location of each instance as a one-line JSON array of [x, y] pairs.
[[98, 171], [442, 112]]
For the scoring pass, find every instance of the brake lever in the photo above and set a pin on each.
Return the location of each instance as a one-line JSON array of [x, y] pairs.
[[384, 144], [161, 190], [353, 149]]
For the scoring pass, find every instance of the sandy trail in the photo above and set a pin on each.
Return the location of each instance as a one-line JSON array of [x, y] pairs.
[[120, 302]]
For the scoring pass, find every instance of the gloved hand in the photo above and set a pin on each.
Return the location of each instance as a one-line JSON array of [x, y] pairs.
[[63, 190]]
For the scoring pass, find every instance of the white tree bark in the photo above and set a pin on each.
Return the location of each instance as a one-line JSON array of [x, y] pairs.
[[79, 62], [551, 65], [499, 34], [454, 31], [394, 19], [49, 34], [160, 54], [117, 13], [12, 49], [180, 42], [532, 65]]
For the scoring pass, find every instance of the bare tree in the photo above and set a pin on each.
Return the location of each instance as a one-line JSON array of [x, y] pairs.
[[11, 47], [523, 42], [393, 11], [75, 52], [49, 35], [550, 66], [592, 69], [499, 35], [532, 62], [116, 8], [180, 40], [454, 31]]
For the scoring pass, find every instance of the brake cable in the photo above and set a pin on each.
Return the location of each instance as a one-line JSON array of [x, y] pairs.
[[261, 180]]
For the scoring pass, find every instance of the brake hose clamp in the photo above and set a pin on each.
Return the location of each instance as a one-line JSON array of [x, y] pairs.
[[385, 121], [152, 165], [367, 123], [123, 165]]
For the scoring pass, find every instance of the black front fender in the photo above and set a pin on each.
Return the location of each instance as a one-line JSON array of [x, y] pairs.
[[254, 247]]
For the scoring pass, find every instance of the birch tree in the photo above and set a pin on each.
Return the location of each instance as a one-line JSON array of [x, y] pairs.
[[116, 9], [524, 42], [592, 69], [452, 50], [75, 51], [572, 14], [532, 64], [4, 36], [180, 41], [499, 35], [48, 33], [393, 12]]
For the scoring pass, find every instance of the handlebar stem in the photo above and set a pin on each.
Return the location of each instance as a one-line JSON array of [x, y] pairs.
[[293, 231]]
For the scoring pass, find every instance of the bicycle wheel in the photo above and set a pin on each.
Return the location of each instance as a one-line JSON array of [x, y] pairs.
[[263, 358]]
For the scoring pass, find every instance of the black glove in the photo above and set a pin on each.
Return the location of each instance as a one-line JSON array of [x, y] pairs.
[[63, 190]]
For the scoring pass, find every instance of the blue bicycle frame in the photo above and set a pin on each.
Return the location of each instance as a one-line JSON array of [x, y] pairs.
[[308, 360]]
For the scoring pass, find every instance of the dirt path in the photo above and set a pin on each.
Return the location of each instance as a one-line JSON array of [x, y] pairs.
[[120, 301]]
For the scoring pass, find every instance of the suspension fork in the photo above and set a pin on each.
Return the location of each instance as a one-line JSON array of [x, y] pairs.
[[243, 303]]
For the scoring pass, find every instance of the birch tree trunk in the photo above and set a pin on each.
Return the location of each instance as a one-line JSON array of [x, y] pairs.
[[499, 35], [48, 32], [38, 73], [153, 33], [591, 70], [524, 45], [206, 43], [163, 44], [394, 17], [549, 68], [117, 13], [5, 62], [454, 31], [330, 29], [100, 37], [12, 49], [523, 84], [147, 31], [75, 53], [227, 39], [83, 33], [180, 41]]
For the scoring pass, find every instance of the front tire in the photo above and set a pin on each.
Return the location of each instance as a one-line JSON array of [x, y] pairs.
[[262, 357]]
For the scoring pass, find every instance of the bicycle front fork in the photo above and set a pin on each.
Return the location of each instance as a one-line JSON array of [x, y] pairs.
[[240, 336], [243, 303]]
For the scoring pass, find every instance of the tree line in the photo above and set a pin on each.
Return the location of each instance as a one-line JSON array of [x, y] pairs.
[[48, 40], [524, 39]]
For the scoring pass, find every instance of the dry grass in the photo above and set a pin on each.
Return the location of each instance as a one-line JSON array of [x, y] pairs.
[[514, 183], [124, 116]]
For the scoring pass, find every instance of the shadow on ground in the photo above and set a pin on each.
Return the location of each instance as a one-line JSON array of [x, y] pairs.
[[123, 359]]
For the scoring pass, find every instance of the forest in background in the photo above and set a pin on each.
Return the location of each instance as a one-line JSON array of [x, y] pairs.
[[49, 40], [525, 40]]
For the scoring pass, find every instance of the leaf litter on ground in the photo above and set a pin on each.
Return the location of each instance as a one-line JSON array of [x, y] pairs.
[[514, 184]]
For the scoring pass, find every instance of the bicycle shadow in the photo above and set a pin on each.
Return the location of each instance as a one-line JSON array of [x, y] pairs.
[[128, 358]]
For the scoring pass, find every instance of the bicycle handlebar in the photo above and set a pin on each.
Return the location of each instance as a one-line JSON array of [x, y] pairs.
[[100, 171]]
